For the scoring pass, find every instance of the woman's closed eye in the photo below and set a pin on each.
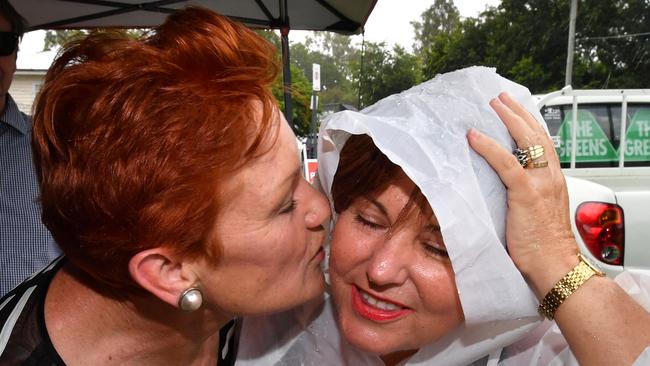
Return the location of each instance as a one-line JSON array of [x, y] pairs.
[[369, 222], [288, 207], [435, 248]]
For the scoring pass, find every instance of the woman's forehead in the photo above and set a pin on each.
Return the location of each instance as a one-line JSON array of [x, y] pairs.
[[403, 202]]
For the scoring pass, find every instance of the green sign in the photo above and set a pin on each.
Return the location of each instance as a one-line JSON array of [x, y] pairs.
[[592, 145], [637, 138]]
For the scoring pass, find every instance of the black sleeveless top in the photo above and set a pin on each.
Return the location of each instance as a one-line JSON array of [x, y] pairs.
[[24, 339]]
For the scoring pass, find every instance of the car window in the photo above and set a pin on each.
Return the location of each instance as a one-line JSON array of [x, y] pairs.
[[598, 134]]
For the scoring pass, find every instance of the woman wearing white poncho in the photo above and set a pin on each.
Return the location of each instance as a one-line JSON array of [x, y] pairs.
[[423, 131]]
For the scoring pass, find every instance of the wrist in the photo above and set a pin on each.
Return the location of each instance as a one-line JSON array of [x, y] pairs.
[[545, 273], [569, 284]]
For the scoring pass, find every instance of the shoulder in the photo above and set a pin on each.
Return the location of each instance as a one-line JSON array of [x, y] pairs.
[[306, 334], [229, 342], [22, 324], [13, 116]]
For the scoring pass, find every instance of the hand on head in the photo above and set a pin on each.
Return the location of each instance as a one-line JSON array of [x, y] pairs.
[[539, 236]]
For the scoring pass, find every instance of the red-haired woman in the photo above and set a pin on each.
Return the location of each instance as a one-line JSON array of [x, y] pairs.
[[172, 184]]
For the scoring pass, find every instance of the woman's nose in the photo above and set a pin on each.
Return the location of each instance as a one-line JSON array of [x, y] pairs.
[[319, 208], [389, 262]]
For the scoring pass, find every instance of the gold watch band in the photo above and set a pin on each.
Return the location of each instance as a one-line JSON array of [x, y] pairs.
[[566, 286]]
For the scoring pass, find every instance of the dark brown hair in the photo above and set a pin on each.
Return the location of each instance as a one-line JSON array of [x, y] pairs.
[[364, 171]]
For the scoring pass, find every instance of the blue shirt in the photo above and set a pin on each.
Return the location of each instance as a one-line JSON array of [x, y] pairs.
[[25, 244]]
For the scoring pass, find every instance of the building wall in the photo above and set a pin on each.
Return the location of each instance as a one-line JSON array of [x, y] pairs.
[[24, 88]]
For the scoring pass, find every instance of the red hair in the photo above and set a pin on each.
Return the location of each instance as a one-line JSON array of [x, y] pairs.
[[134, 138]]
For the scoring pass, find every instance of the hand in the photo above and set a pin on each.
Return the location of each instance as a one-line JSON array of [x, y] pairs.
[[538, 230]]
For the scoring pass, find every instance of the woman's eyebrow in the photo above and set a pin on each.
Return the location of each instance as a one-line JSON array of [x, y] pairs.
[[433, 227], [290, 181], [377, 204], [286, 186], [292, 177]]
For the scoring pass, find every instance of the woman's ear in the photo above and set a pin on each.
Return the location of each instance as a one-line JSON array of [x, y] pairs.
[[160, 272]]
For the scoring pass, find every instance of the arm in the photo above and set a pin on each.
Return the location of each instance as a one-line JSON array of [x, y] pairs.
[[601, 323]]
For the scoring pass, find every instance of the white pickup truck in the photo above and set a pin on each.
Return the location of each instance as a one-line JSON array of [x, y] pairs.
[[609, 186]]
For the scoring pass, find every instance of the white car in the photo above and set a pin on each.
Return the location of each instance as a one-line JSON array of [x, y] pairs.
[[609, 187]]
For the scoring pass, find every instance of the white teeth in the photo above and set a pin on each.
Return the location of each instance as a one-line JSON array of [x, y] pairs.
[[369, 299]]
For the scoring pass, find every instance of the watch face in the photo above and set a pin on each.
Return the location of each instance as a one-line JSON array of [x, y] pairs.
[[594, 268]]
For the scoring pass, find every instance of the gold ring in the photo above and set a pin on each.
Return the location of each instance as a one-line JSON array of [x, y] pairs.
[[535, 151], [540, 164]]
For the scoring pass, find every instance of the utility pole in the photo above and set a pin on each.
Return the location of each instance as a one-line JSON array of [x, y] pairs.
[[286, 68], [315, 81], [572, 43]]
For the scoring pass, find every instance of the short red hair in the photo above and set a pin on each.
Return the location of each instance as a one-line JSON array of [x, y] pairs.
[[133, 138]]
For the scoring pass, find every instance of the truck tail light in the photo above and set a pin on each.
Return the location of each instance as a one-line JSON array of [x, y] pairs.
[[601, 227]]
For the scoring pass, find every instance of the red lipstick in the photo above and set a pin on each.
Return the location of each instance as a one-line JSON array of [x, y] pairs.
[[373, 313]]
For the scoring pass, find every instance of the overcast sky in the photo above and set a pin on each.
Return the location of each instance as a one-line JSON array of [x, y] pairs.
[[390, 19], [389, 22]]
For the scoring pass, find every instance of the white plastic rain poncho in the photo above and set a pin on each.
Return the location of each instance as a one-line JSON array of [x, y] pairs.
[[423, 130]]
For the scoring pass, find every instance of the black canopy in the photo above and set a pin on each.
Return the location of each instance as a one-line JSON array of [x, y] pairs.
[[343, 16]]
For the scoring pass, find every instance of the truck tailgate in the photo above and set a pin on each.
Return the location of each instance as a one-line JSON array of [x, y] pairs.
[[636, 211], [631, 188]]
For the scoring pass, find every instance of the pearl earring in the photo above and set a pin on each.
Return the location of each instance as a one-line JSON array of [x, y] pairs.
[[191, 299]]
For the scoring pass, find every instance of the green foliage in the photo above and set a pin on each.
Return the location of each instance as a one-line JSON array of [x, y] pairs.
[[615, 62], [440, 18], [301, 97], [61, 37], [335, 54], [526, 40], [270, 36], [57, 38], [385, 72]]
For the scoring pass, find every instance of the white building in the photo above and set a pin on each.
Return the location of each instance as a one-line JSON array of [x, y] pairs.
[[31, 66]]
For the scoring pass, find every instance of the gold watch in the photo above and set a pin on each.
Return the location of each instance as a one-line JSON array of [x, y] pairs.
[[566, 286]]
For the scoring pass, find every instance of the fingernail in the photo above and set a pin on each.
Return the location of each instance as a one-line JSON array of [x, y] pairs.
[[474, 133], [504, 95]]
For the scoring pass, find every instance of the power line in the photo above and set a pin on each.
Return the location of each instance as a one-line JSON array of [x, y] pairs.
[[617, 36]]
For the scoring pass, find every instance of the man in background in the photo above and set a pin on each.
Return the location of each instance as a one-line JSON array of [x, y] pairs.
[[25, 244]]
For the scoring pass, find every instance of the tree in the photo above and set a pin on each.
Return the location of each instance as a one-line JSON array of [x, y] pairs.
[[440, 18], [300, 89], [613, 44], [300, 96], [335, 54], [57, 38], [386, 72], [526, 41], [465, 46]]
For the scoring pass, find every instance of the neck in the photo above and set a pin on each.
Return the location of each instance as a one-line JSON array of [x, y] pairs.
[[392, 359], [140, 330]]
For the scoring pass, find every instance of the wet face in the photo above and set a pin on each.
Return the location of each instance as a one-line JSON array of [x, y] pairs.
[[393, 285], [270, 232], [7, 65]]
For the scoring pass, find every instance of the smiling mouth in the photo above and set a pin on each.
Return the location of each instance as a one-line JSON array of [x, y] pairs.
[[373, 308]]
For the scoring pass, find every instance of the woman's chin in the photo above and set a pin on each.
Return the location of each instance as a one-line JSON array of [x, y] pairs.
[[372, 348], [385, 351], [382, 343], [371, 342]]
